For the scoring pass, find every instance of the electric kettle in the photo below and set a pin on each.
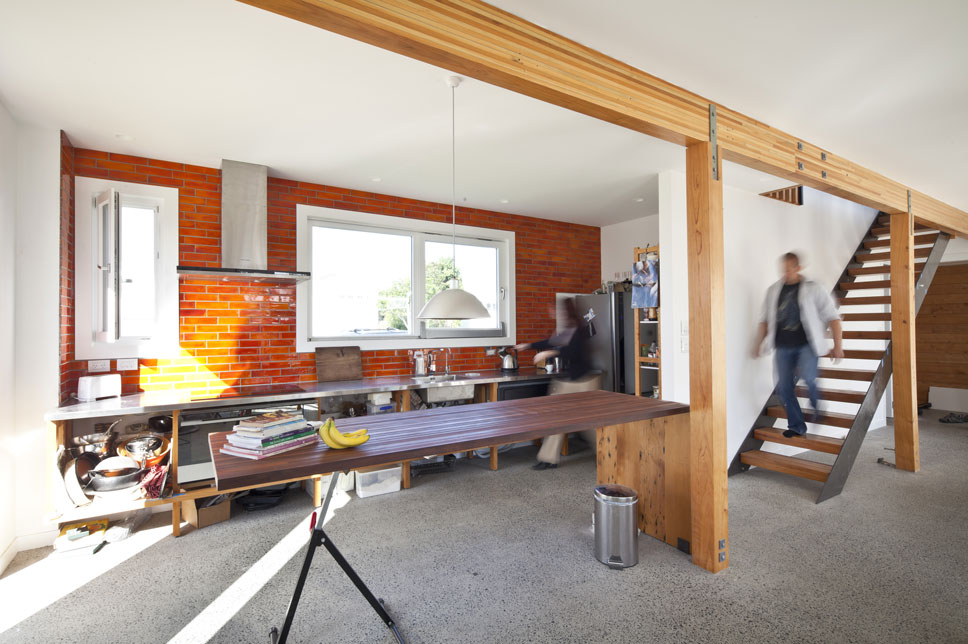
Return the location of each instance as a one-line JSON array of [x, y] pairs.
[[509, 359]]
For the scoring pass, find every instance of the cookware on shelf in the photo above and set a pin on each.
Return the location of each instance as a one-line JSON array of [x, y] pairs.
[[147, 449]]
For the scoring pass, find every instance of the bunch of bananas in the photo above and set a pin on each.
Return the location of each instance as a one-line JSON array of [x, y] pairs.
[[335, 439]]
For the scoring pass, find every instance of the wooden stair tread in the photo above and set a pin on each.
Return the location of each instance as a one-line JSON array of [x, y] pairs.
[[865, 300], [886, 243], [877, 231], [832, 373], [862, 354], [884, 257], [854, 271], [885, 220], [858, 286], [865, 317], [815, 442], [838, 395], [786, 464], [867, 335], [826, 417]]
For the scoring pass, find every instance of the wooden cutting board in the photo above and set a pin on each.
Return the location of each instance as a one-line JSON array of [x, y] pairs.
[[338, 363]]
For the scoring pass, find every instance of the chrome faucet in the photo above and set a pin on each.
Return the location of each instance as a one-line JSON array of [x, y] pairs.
[[446, 361]]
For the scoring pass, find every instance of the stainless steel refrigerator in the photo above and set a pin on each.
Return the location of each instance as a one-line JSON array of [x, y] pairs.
[[610, 320]]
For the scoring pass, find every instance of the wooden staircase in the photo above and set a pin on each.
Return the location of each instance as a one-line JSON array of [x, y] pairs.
[[861, 276]]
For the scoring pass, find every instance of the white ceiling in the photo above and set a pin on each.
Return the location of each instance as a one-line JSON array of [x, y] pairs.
[[200, 81], [883, 83]]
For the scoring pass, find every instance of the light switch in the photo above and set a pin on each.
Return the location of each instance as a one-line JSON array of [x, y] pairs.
[[685, 343], [97, 366], [127, 364]]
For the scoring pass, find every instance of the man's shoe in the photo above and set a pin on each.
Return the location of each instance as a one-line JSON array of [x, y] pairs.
[[541, 465], [789, 433]]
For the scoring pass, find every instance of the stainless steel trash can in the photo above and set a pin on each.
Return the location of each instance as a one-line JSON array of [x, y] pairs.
[[616, 526]]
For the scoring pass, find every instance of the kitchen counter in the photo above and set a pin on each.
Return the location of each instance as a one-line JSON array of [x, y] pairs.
[[167, 401]]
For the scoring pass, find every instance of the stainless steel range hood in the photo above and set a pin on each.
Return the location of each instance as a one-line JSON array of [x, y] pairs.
[[244, 228]]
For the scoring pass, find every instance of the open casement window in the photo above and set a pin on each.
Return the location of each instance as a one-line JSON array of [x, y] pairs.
[[106, 206], [127, 243], [127, 260], [372, 274]]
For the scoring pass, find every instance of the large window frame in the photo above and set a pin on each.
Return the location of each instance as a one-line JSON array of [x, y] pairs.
[[420, 336], [97, 270]]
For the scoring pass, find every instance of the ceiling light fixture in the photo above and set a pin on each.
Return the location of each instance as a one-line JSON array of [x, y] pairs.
[[124, 137], [639, 199], [376, 179], [453, 303], [504, 200]]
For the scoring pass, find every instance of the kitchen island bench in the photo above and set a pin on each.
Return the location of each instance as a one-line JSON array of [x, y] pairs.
[[642, 443]]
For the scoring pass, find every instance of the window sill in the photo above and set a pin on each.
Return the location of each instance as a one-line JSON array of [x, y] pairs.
[[391, 344]]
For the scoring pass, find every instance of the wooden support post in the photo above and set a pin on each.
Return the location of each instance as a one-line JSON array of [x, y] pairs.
[[402, 398], [405, 475], [494, 457], [492, 392], [707, 359], [173, 476], [651, 457], [902, 343], [564, 445], [318, 490]]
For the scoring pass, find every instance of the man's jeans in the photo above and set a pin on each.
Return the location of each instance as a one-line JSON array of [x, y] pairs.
[[793, 363]]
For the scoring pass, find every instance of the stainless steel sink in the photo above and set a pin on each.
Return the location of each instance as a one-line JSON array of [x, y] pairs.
[[443, 394], [438, 378]]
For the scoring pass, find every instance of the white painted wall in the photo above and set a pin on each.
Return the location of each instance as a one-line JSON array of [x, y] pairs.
[[8, 212], [825, 231], [620, 240], [36, 326]]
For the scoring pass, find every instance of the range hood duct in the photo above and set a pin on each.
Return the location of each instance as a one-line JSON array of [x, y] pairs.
[[244, 228], [244, 215]]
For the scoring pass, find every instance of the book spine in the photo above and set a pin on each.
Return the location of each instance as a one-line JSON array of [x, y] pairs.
[[255, 443]]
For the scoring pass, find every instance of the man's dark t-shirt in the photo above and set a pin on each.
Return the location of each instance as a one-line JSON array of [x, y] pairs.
[[789, 329]]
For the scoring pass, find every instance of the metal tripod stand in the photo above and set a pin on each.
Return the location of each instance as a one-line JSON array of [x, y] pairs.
[[320, 538]]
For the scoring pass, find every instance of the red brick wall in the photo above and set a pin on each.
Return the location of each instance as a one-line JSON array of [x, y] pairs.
[[240, 333], [68, 373]]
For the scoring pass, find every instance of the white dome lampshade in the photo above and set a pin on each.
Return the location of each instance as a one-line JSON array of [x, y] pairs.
[[453, 304]]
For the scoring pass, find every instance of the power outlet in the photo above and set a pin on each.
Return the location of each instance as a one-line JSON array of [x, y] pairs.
[[98, 366], [127, 364], [490, 351]]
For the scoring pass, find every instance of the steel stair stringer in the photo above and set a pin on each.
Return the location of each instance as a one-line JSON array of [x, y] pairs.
[[834, 484]]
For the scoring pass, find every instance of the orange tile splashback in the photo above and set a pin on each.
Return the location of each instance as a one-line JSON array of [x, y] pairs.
[[244, 333]]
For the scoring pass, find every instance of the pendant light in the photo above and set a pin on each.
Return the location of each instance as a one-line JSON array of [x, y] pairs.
[[453, 303]]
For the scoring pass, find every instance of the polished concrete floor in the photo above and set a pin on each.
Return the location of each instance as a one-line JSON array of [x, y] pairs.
[[481, 556]]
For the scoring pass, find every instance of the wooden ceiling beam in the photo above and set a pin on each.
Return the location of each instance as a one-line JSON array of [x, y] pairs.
[[474, 38]]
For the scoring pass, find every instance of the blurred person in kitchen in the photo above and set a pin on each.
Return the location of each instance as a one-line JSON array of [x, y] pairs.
[[796, 314], [571, 344]]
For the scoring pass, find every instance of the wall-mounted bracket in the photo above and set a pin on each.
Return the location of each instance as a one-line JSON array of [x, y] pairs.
[[712, 140]]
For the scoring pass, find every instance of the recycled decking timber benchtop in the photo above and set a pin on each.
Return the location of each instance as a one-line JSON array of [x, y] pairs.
[[410, 435]]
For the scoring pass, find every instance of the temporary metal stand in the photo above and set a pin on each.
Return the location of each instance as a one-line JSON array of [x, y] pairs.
[[320, 538]]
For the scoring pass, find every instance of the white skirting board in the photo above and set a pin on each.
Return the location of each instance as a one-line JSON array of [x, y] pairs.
[[948, 399]]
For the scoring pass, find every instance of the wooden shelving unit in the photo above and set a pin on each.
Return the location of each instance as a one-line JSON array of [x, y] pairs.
[[644, 363]]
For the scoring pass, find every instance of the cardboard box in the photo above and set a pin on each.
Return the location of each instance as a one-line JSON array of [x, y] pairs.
[[202, 517]]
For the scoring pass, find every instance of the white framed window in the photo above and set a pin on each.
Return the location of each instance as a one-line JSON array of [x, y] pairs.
[[371, 275], [125, 279]]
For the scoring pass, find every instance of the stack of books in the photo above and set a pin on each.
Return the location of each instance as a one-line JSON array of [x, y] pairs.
[[269, 434]]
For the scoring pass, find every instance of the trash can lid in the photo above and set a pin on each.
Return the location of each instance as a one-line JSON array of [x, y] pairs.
[[613, 493]]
